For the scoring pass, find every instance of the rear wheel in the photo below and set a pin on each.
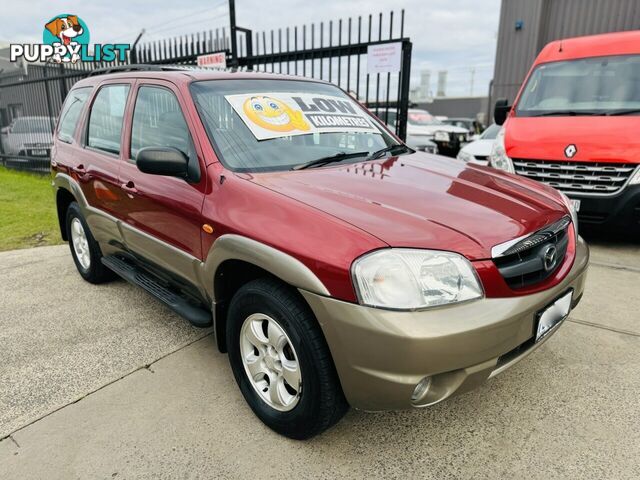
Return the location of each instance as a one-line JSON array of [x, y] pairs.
[[84, 248], [281, 361]]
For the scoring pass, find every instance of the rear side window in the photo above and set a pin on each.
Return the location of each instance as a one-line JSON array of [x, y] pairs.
[[71, 113], [105, 121], [158, 122]]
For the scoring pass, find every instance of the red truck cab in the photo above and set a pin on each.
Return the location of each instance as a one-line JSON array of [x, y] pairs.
[[574, 126]]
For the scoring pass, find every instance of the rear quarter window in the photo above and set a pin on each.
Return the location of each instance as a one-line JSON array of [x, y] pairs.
[[70, 114]]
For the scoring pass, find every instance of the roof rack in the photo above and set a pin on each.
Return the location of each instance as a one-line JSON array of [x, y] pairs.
[[138, 67]]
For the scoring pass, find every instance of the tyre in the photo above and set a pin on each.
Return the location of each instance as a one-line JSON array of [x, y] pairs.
[[281, 361], [84, 249]]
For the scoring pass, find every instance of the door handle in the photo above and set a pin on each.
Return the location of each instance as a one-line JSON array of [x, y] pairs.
[[129, 187], [80, 169]]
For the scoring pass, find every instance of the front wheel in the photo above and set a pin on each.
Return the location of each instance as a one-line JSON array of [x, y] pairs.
[[281, 361], [84, 248]]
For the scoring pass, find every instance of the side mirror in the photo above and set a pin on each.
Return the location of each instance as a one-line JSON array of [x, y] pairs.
[[501, 110], [162, 161]]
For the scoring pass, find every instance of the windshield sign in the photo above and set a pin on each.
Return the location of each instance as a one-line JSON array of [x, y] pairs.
[[274, 114], [589, 86]]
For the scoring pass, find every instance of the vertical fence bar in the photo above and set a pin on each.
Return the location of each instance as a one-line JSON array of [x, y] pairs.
[[339, 57], [378, 74], [349, 58], [368, 76], [304, 48], [321, 45], [295, 47], [313, 34], [358, 60], [404, 99], [386, 112], [400, 74]]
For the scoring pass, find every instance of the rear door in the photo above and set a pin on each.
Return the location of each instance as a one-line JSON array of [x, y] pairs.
[[97, 158], [163, 214]]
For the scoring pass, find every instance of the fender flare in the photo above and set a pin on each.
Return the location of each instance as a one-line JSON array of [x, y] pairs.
[[272, 260]]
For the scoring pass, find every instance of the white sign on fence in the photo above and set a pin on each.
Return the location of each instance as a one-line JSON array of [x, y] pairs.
[[216, 61], [384, 57]]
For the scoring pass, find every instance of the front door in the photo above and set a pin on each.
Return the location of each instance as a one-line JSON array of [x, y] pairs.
[[163, 214]]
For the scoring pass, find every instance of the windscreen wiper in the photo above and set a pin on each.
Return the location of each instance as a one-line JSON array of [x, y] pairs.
[[628, 111], [337, 157], [567, 113], [397, 148]]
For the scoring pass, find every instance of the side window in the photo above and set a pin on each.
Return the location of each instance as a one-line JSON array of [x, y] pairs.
[[105, 121], [71, 113], [158, 122]]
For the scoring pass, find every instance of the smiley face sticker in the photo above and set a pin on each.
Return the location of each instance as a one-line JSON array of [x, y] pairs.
[[273, 114]]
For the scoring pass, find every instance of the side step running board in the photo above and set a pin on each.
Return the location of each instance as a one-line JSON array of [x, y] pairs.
[[198, 317]]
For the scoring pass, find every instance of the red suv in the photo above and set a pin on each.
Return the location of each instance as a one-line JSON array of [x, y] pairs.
[[574, 126], [337, 266]]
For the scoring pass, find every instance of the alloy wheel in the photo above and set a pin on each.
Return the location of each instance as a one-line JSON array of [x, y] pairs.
[[270, 362]]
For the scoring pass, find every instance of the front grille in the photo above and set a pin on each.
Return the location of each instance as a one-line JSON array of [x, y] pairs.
[[528, 261], [576, 177]]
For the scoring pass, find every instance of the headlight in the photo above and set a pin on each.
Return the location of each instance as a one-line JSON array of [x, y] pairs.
[[441, 136], [498, 158], [636, 178], [409, 279], [572, 211], [464, 156]]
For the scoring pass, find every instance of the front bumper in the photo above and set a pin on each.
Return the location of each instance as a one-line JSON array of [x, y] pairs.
[[619, 212], [381, 355]]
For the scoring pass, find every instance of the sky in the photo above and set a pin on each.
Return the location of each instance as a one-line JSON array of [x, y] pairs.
[[452, 35]]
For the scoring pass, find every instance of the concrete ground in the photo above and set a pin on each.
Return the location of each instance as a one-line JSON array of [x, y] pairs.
[[105, 382]]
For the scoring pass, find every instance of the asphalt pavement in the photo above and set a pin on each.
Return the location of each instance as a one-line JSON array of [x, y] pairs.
[[105, 382]]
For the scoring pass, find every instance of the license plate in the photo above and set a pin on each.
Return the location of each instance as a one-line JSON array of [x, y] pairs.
[[39, 153], [576, 204], [553, 315]]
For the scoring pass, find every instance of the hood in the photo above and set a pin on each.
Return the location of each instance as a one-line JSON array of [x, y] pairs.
[[431, 129], [597, 138], [424, 201]]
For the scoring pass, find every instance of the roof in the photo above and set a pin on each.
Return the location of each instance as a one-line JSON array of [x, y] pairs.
[[183, 74], [619, 43]]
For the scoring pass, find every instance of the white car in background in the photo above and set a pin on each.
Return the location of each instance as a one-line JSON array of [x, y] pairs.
[[29, 136], [423, 129], [479, 150]]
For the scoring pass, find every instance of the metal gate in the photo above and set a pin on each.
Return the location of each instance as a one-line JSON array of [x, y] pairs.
[[335, 51]]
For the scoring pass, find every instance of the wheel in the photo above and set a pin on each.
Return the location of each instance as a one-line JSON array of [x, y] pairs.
[[281, 361], [84, 249]]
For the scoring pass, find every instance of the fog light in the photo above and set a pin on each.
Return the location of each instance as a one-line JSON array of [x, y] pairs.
[[421, 389]]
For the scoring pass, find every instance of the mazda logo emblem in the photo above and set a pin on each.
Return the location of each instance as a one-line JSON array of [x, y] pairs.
[[549, 257], [570, 150]]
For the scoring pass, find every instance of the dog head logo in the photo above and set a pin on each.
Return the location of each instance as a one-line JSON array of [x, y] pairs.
[[273, 114], [66, 30]]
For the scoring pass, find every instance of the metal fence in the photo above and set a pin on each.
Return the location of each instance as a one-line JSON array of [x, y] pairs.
[[334, 51], [30, 102]]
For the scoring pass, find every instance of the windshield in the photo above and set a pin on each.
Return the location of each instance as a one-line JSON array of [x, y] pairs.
[[32, 125], [491, 132], [589, 86], [422, 117], [266, 125]]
